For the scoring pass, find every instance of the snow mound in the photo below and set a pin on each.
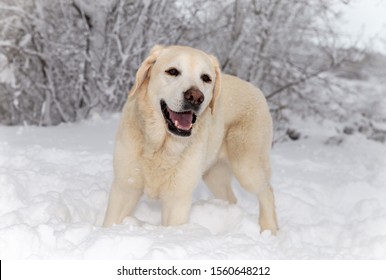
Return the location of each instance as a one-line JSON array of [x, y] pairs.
[[54, 185]]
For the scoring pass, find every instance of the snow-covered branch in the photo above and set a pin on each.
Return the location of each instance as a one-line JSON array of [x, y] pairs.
[[74, 58]]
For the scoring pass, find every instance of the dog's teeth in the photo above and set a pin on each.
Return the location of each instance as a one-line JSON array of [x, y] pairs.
[[177, 124]]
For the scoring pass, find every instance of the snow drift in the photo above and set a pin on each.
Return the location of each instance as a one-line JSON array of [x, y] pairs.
[[54, 185]]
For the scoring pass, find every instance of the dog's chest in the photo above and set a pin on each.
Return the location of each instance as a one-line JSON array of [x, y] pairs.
[[168, 168]]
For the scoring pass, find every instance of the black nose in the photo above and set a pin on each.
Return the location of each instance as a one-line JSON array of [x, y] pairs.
[[194, 96]]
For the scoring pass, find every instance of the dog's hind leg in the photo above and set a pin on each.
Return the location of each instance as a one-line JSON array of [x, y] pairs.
[[218, 179], [251, 166], [255, 179]]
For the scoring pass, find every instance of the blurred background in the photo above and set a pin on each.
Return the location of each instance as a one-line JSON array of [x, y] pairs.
[[68, 60]]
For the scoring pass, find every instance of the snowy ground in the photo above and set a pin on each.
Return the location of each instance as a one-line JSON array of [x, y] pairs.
[[54, 184]]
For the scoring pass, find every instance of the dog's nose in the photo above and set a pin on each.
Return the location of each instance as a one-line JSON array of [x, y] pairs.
[[194, 96]]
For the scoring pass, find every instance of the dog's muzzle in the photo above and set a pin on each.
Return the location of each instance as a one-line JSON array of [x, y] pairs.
[[179, 123]]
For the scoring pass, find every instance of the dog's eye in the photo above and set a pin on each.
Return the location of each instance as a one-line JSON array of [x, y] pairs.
[[173, 72], [205, 78]]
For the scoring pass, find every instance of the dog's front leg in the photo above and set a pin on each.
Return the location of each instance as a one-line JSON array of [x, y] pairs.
[[128, 184], [177, 197], [121, 204], [176, 208], [176, 194]]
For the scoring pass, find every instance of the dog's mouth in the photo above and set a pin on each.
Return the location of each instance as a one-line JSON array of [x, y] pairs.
[[179, 123]]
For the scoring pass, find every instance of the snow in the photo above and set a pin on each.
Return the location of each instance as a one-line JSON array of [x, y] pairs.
[[54, 185]]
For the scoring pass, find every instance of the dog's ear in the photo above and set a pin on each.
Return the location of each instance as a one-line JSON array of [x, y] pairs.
[[144, 69], [217, 83]]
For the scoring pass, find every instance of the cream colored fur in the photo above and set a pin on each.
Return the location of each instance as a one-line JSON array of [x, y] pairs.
[[232, 136]]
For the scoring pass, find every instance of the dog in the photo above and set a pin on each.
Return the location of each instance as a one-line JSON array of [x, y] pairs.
[[184, 120]]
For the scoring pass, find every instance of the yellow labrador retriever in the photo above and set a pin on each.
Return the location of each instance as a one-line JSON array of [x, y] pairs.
[[184, 121]]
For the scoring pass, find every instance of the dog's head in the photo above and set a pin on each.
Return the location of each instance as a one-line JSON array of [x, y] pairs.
[[182, 83]]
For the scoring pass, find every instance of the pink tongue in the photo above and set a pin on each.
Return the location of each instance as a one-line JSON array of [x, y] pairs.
[[183, 120]]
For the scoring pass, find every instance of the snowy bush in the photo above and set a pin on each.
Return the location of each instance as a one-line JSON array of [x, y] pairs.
[[73, 58]]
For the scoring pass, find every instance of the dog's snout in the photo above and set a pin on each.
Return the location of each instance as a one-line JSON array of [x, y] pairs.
[[194, 96]]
